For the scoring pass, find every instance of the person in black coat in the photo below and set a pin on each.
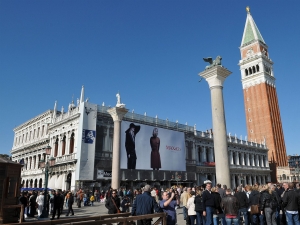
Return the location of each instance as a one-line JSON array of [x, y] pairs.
[[199, 207], [254, 197], [70, 204], [56, 204], [243, 204], [113, 203], [218, 208], [32, 204], [23, 201], [125, 204], [130, 145]]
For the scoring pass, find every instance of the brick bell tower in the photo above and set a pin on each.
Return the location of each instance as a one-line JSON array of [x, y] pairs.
[[260, 97]]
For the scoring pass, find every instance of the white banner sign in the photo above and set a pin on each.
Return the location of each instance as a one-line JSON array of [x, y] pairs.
[[102, 174], [147, 148]]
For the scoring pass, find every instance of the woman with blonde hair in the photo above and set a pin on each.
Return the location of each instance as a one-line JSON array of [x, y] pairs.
[[268, 204], [218, 210], [199, 207], [190, 205]]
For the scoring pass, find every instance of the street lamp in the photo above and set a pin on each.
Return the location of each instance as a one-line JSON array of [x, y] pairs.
[[46, 164]]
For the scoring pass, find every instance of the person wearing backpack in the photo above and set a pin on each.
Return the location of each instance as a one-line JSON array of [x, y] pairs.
[[268, 205]]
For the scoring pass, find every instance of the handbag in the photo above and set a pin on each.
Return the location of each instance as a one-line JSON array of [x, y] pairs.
[[254, 209], [118, 210]]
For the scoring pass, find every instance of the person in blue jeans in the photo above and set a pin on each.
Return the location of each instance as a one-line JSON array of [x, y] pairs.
[[291, 203], [208, 202], [230, 205], [243, 204]]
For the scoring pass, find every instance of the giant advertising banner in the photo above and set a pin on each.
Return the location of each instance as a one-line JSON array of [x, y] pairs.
[[86, 141], [146, 147]]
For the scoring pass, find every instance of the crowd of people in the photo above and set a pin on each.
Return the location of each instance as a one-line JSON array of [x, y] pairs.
[[56, 202], [270, 204]]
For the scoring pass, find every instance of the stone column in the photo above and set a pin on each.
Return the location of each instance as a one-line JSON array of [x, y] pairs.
[[117, 113], [194, 151], [204, 154], [237, 158], [211, 155], [107, 139], [266, 161], [247, 160], [263, 179], [261, 161], [231, 158], [254, 180], [243, 159], [215, 76], [233, 181], [252, 160], [259, 180], [213, 180]]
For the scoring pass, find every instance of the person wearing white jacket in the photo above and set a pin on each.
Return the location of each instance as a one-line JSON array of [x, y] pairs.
[[190, 205], [40, 202]]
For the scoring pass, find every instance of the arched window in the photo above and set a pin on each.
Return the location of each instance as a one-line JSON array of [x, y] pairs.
[[35, 183], [63, 147], [39, 159], [246, 72], [30, 161], [26, 183], [34, 162], [257, 68], [253, 69], [250, 70], [56, 147], [40, 183], [71, 149]]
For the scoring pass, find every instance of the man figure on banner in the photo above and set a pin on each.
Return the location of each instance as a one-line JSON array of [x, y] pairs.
[[130, 145]]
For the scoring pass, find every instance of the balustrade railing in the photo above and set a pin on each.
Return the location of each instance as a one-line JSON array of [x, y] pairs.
[[65, 158]]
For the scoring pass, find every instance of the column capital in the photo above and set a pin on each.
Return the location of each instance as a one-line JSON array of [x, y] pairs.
[[117, 113], [215, 76]]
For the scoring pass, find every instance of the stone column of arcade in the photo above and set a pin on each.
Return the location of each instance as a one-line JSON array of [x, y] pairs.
[[117, 113], [215, 74]]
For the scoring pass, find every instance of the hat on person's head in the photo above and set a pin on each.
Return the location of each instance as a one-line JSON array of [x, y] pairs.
[[207, 182], [147, 187]]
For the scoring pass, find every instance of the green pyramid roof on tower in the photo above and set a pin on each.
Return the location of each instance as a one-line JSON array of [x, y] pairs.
[[251, 32]]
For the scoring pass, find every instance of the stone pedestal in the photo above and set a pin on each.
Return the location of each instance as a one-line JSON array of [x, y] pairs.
[[117, 113], [215, 77]]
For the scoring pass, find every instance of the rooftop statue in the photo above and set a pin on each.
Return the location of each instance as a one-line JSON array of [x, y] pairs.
[[119, 104], [212, 62]]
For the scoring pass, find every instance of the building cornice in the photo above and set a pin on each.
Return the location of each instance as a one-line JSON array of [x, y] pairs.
[[33, 120]]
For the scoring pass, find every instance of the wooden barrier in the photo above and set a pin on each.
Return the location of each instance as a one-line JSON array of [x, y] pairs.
[[108, 219]]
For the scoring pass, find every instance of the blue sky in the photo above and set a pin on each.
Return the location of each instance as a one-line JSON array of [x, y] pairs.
[[149, 51]]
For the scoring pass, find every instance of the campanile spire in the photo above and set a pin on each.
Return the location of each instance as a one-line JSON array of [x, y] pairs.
[[260, 98]]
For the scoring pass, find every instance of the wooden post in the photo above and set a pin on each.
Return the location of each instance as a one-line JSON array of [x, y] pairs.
[[22, 214]]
